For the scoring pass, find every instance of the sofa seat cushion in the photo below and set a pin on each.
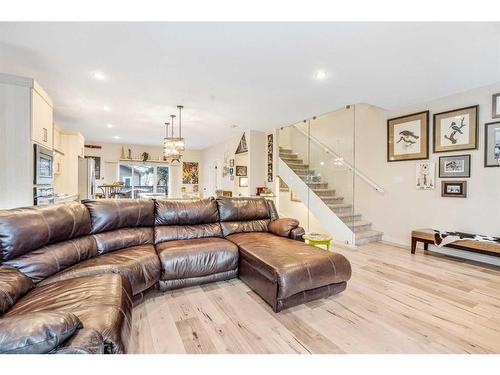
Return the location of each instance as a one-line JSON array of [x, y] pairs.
[[196, 257], [293, 265], [139, 264], [102, 302]]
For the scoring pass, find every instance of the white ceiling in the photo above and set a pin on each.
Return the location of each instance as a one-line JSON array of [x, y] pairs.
[[255, 75]]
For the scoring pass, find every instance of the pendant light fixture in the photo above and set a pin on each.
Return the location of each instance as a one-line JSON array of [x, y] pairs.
[[173, 147]]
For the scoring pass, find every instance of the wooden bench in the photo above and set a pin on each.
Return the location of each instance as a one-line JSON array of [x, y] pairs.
[[426, 236]]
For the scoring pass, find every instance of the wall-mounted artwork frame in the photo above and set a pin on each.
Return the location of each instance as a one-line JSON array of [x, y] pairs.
[[293, 197], [190, 172], [408, 137], [425, 175], [454, 166], [243, 182], [241, 170], [270, 147], [454, 189], [495, 106], [492, 144], [456, 130]]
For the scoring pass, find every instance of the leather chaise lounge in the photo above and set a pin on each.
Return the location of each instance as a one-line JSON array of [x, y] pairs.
[[69, 273]]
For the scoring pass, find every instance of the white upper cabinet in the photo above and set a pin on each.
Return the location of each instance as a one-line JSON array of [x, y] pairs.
[[42, 120]]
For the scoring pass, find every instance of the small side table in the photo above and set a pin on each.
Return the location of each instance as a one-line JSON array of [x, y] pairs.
[[318, 239]]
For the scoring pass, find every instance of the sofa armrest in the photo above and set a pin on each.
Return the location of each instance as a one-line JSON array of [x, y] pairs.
[[282, 227], [297, 234]]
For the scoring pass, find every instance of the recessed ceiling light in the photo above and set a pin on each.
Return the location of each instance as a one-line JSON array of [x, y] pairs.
[[109, 125], [106, 108], [99, 76], [233, 126], [320, 75], [116, 137]]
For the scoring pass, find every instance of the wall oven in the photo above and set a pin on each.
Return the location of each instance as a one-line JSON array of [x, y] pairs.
[[44, 164]]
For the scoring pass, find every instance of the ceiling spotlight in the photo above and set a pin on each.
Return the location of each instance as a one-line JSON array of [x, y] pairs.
[[99, 76], [109, 125], [106, 108], [320, 75], [116, 137]]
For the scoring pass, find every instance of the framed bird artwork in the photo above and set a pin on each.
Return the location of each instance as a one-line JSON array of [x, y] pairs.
[[408, 137], [456, 130]]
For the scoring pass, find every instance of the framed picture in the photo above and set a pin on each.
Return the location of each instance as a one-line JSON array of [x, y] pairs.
[[408, 137], [426, 176], [456, 189], [189, 172], [495, 108], [456, 130], [293, 197], [492, 144], [231, 162], [454, 166], [243, 181], [241, 170]]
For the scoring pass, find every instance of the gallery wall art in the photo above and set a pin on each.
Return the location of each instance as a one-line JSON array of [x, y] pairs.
[[408, 137], [241, 170], [456, 166], [242, 146], [270, 146], [495, 108], [454, 189], [190, 172], [243, 182], [425, 175], [492, 144], [456, 130]]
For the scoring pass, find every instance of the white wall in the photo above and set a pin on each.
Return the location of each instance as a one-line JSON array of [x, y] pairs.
[[255, 160], [298, 210], [214, 156], [110, 155], [403, 207]]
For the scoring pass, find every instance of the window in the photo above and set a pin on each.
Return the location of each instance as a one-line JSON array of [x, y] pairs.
[[143, 178]]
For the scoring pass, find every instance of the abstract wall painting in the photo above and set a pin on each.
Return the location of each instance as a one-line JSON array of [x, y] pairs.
[[190, 172]]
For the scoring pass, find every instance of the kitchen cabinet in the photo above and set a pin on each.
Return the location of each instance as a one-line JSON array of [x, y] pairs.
[[69, 151], [42, 121], [26, 118]]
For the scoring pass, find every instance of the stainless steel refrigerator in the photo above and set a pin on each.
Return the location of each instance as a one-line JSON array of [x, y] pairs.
[[86, 178]]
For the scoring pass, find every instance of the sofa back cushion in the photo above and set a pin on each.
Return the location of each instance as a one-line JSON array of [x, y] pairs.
[[239, 215], [25, 229], [13, 286], [182, 220], [48, 260], [112, 214], [123, 238]]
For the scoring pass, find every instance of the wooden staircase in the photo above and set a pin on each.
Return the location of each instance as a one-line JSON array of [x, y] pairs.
[[363, 232]]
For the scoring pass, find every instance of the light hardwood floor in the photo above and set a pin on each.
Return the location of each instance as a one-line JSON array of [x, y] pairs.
[[395, 303]]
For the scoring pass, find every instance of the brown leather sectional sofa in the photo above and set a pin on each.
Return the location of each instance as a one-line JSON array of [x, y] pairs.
[[87, 262]]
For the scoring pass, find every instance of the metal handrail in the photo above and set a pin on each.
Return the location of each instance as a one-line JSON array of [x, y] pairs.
[[346, 164]]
